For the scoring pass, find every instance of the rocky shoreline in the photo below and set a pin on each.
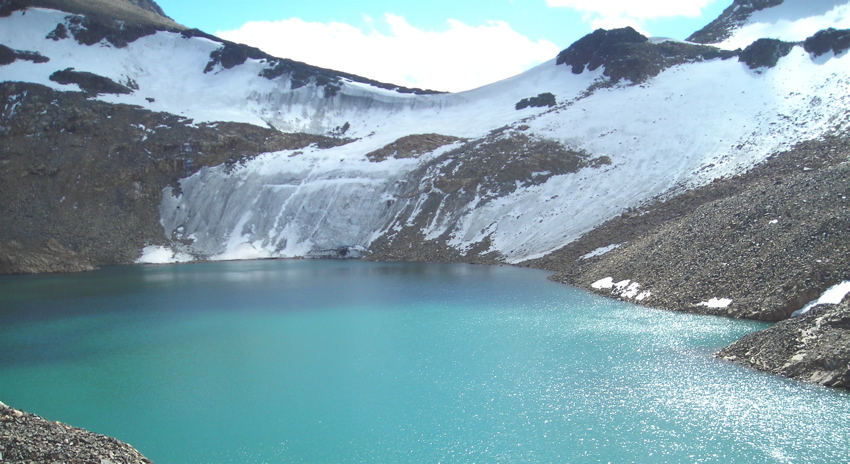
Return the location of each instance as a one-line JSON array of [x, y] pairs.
[[814, 347], [27, 438], [760, 246]]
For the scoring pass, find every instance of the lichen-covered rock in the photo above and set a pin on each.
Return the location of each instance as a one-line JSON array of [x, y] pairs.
[[814, 347], [27, 438]]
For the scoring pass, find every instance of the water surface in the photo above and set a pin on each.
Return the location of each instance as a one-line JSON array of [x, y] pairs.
[[328, 361]]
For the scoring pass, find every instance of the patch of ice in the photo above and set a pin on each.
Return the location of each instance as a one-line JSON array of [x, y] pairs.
[[716, 303]]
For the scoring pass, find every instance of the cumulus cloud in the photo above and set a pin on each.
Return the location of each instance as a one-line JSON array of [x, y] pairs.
[[459, 57], [646, 9], [611, 14]]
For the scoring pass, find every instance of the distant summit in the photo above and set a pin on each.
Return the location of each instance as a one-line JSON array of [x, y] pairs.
[[732, 17], [746, 21], [134, 12]]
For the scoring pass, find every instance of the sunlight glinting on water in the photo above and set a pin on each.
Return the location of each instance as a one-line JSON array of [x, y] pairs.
[[317, 361]]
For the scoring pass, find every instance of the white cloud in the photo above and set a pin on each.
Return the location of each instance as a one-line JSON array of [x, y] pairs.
[[612, 14], [646, 9], [458, 58]]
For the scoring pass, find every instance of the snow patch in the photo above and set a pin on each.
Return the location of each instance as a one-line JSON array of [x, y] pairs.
[[716, 303], [600, 251], [626, 289], [833, 295], [607, 282], [155, 254]]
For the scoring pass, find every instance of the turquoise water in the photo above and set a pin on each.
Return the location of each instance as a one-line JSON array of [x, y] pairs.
[[327, 361]]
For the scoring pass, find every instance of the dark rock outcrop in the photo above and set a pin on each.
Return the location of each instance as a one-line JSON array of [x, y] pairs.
[[232, 54], [27, 438], [732, 17], [541, 100], [596, 48], [91, 29], [626, 54], [835, 40], [9, 56], [90, 83], [814, 347], [765, 53]]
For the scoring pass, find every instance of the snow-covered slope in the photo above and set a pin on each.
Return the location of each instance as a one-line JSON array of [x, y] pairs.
[[690, 124], [791, 21]]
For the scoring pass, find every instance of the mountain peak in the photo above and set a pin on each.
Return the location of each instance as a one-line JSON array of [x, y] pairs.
[[134, 12], [627, 54], [732, 17]]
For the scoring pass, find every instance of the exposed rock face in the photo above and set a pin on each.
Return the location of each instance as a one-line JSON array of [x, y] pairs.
[[721, 28], [471, 175], [90, 83], [814, 347], [28, 438], [765, 53], [835, 40], [9, 56], [82, 179], [89, 30], [770, 240], [541, 100], [626, 54]]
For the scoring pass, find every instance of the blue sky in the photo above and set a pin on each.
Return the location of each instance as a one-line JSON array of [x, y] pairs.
[[442, 44]]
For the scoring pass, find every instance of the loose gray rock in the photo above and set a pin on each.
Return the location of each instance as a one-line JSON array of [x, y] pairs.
[[27, 438], [814, 347]]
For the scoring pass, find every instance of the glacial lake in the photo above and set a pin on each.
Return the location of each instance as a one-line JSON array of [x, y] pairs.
[[342, 362]]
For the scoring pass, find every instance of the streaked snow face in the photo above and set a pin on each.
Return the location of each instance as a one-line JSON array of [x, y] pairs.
[[687, 126]]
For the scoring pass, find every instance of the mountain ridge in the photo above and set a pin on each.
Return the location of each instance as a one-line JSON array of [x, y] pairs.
[[661, 173], [339, 166]]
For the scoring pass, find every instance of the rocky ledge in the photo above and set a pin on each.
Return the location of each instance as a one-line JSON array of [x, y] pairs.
[[28, 438], [814, 347]]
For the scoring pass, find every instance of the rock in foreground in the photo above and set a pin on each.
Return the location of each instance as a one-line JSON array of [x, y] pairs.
[[28, 438], [813, 347]]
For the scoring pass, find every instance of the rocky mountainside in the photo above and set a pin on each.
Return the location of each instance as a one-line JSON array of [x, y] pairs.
[[707, 177], [28, 438], [814, 347]]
